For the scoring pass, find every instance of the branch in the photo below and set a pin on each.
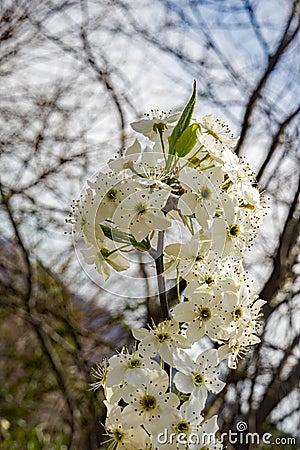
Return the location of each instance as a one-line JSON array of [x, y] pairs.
[[29, 305], [276, 392], [287, 239], [159, 264], [276, 141], [25, 253], [255, 26], [284, 42], [102, 75]]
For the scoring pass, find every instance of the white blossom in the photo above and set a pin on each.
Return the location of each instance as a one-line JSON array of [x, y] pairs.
[[110, 190], [163, 338], [132, 368], [131, 154], [150, 126], [122, 437], [206, 437], [141, 212], [202, 313], [200, 376], [149, 405], [239, 230], [103, 255], [218, 130], [237, 345], [187, 259], [85, 211], [203, 191], [241, 306], [186, 423]]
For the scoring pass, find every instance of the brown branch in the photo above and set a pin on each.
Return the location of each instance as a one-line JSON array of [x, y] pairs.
[[159, 264], [287, 239], [283, 362], [25, 253], [184, 59], [58, 369], [103, 75], [256, 27], [276, 141], [289, 414], [44, 340], [48, 172], [147, 288], [276, 375], [276, 392], [162, 291], [284, 42]]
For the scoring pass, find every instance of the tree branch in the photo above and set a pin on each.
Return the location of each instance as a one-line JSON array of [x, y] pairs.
[[276, 141], [276, 392], [159, 264], [284, 42]]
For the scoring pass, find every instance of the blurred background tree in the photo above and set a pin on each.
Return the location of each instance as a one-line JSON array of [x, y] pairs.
[[74, 73]]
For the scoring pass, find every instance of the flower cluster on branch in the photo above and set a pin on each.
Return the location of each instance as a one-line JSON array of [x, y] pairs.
[[187, 174]]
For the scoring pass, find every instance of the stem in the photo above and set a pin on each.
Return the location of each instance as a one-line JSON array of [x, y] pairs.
[[191, 228], [191, 157], [159, 264], [117, 249], [169, 162], [208, 167], [162, 143], [177, 285]]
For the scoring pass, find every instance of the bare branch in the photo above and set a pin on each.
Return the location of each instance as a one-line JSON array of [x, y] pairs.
[[287, 38], [276, 141]]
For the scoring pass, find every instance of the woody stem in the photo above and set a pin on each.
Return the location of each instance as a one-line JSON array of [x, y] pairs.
[[159, 264]]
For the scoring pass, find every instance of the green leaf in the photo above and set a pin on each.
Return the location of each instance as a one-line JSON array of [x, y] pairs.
[[187, 141], [142, 246], [183, 121], [115, 235], [123, 238]]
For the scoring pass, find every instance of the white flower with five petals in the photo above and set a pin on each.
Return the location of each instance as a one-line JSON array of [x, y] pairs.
[[163, 338], [150, 126], [200, 376], [206, 438], [149, 405], [238, 344], [186, 424], [141, 212], [122, 437], [202, 191], [129, 367], [219, 130], [187, 259], [202, 313]]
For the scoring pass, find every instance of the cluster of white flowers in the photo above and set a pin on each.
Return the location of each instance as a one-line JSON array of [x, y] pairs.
[[188, 174]]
